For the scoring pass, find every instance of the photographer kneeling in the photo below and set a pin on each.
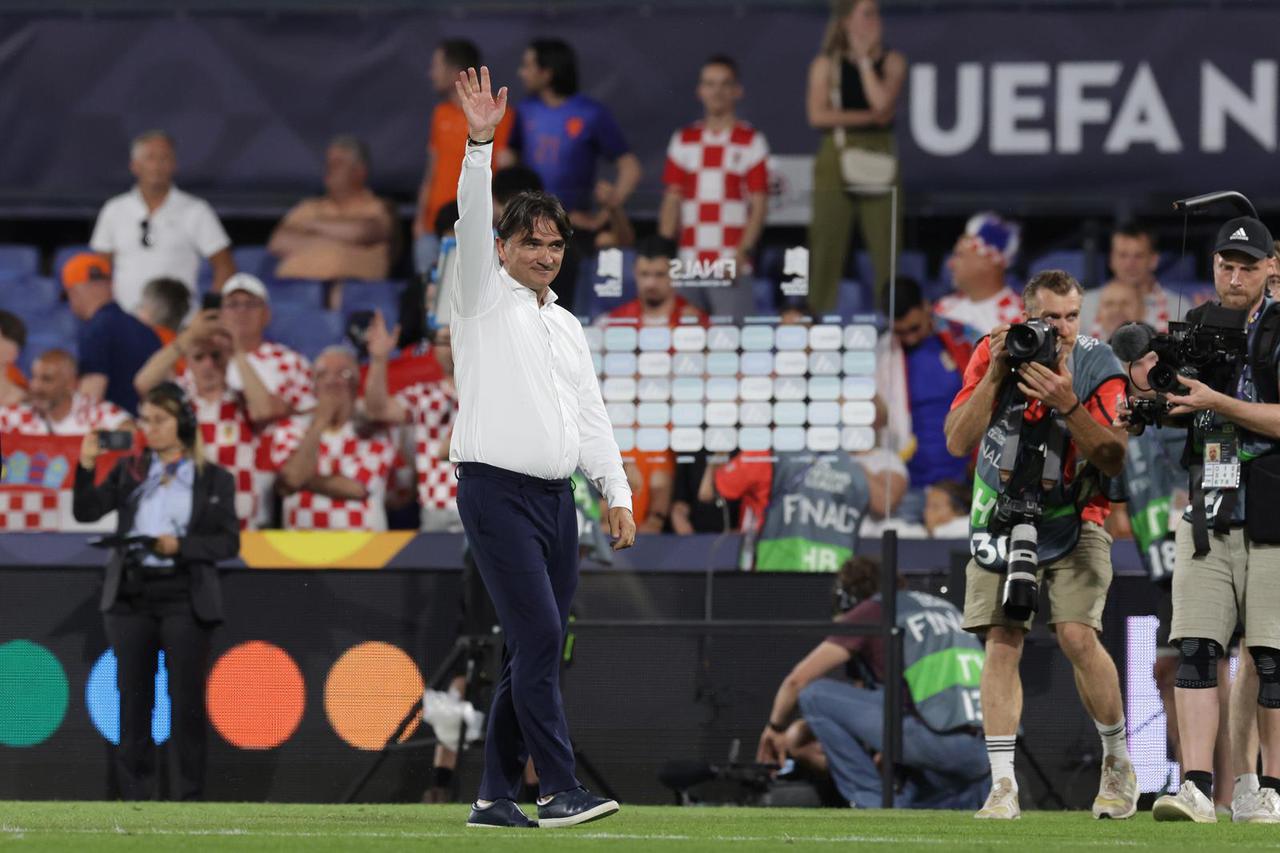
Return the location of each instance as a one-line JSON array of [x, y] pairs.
[[1227, 538], [1041, 401], [176, 519], [943, 759]]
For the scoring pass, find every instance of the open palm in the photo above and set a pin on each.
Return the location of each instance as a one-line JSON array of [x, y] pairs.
[[482, 109]]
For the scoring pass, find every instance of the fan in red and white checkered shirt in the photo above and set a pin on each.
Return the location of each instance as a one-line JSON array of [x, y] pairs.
[[55, 407], [245, 313], [344, 452], [428, 410], [229, 440], [333, 470], [717, 168]]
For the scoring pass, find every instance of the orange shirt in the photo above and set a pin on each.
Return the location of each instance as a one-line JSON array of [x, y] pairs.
[[1101, 404], [15, 377], [649, 464], [449, 143]]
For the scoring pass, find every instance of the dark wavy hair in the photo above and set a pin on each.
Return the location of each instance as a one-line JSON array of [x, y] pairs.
[[523, 212]]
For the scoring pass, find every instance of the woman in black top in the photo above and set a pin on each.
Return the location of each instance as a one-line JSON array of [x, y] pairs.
[[162, 592], [853, 90]]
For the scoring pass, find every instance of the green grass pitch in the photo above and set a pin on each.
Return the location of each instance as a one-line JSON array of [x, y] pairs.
[[28, 826]]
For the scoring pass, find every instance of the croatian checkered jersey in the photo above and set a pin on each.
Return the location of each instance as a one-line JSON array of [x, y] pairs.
[[366, 458]]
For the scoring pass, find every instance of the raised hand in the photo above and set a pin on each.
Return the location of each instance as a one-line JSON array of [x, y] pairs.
[[378, 341], [482, 109]]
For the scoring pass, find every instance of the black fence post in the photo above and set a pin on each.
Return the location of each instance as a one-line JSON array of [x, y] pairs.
[[891, 749]]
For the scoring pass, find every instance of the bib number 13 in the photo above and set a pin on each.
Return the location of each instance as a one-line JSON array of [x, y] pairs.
[[989, 550]]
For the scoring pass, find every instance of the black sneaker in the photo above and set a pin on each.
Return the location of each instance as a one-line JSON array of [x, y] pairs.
[[501, 814], [570, 808]]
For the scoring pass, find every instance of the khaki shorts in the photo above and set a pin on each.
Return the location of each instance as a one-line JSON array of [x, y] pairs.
[[1077, 585], [1209, 593]]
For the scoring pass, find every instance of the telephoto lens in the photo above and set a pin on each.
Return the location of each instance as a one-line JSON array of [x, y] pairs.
[[1021, 595]]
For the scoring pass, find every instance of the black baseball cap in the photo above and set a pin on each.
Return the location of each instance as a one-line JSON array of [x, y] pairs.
[[1245, 234]]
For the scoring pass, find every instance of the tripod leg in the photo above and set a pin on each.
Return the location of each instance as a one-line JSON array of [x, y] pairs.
[[354, 790]]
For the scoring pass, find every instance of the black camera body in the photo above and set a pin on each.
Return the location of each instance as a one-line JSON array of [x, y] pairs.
[[1145, 412], [1212, 349], [1032, 341]]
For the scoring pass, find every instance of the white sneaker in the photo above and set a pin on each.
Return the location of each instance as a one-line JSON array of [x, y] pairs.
[[1188, 804], [1002, 802], [1117, 791], [1261, 806]]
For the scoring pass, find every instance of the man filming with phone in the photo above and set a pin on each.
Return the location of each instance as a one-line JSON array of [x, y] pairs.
[[1039, 402]]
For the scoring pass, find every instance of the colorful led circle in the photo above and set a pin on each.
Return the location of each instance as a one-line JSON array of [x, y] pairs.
[[33, 693], [102, 697], [256, 695], [369, 691]]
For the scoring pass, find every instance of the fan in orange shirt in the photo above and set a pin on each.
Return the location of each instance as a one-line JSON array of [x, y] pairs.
[[447, 146]]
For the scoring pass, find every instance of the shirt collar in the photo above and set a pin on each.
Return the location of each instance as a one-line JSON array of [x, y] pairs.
[[169, 198], [527, 292]]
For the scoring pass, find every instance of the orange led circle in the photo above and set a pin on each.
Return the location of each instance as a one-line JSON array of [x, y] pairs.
[[368, 693], [256, 695]]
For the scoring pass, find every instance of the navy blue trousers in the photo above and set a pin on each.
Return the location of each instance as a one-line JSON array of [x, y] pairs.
[[523, 533]]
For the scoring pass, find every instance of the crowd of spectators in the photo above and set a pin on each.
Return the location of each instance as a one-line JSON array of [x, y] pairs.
[[359, 438]]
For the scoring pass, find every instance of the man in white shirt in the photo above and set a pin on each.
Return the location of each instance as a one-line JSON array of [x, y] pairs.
[[981, 257], [156, 230], [530, 412]]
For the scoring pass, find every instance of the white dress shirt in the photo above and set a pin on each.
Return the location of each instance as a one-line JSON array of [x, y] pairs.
[[528, 397], [181, 231]]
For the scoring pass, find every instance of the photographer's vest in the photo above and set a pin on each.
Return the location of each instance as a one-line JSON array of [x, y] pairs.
[[1152, 474], [816, 505], [942, 663], [1091, 363]]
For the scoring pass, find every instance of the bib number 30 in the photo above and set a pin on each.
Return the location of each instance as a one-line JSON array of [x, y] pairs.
[[989, 551]]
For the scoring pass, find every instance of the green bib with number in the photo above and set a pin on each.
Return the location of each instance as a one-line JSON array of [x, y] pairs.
[[1153, 473], [942, 663], [1091, 364], [816, 505]]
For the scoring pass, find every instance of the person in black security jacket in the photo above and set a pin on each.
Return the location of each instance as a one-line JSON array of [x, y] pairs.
[[165, 594]]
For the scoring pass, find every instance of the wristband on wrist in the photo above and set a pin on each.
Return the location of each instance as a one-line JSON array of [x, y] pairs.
[[1068, 412], [471, 141]]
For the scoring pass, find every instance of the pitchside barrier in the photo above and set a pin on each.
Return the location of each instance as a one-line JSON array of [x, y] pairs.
[[315, 667]]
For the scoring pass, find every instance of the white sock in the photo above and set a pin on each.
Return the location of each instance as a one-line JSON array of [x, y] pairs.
[[483, 804], [1000, 753], [1114, 740], [1247, 782]]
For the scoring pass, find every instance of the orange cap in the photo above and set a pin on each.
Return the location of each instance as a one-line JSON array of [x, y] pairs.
[[84, 268]]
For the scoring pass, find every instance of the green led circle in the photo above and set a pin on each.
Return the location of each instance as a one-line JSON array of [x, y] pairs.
[[33, 693]]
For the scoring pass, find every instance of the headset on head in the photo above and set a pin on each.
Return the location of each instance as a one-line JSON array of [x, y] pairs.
[[186, 415]]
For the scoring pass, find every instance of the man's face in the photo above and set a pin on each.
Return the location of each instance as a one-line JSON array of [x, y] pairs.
[[969, 266], [1239, 279], [343, 171], [52, 383], [208, 360], [245, 315], [84, 299], [653, 281], [533, 258], [1273, 277], [533, 77], [914, 326], [337, 376], [1060, 311], [1133, 260], [1118, 303], [153, 163], [718, 89], [441, 73], [937, 507]]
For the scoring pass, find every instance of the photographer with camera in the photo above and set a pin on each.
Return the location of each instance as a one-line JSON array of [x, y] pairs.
[[176, 519], [1226, 540], [1040, 399]]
